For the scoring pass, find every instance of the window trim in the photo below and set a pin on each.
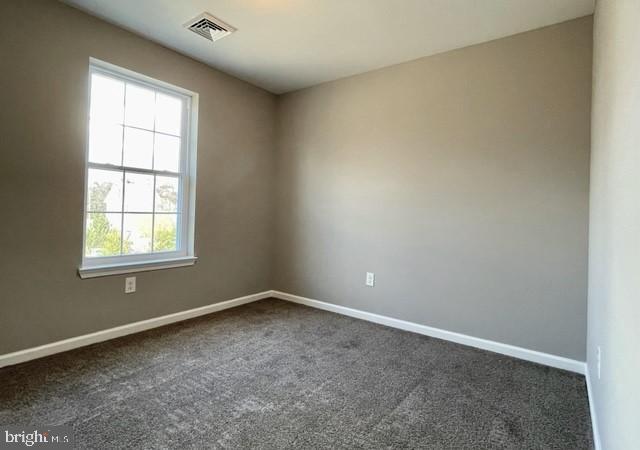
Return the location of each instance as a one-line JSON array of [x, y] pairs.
[[184, 255]]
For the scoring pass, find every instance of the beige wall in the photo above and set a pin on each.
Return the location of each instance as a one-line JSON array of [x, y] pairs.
[[44, 51], [460, 179], [614, 241]]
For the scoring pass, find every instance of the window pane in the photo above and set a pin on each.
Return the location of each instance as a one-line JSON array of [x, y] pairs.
[[165, 232], [136, 233], [168, 114], [103, 234], [166, 194], [107, 99], [138, 148], [167, 153], [135, 157], [105, 143], [138, 192], [104, 190], [140, 107]]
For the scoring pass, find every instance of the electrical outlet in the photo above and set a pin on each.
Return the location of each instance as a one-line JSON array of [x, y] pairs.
[[371, 279], [599, 361], [129, 285]]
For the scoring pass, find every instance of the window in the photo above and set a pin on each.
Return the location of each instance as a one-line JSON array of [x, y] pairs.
[[140, 174]]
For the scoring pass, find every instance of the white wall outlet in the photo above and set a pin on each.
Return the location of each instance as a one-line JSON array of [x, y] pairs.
[[371, 279], [599, 361], [130, 285]]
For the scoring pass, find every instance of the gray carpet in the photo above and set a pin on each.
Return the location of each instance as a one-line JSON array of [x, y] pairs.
[[273, 374]]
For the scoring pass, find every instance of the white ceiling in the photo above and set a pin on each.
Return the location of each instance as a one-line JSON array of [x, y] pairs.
[[284, 45]]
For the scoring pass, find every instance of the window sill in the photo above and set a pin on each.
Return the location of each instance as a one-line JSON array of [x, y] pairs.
[[119, 269]]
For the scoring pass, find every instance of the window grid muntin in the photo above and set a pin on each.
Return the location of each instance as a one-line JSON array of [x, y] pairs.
[[182, 176]]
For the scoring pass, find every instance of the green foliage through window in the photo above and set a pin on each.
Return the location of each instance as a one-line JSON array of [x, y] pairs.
[[103, 239], [164, 238]]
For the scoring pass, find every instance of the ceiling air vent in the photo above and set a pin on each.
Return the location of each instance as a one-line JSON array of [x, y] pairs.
[[209, 27]]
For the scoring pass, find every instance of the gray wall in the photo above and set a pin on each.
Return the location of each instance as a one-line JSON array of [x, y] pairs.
[[45, 48], [614, 241], [460, 179]]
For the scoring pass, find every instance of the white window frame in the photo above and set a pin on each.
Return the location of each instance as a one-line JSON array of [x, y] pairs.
[[184, 255]]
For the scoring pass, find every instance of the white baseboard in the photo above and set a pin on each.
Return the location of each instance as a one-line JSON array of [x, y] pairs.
[[104, 335], [496, 347], [135, 327], [592, 410]]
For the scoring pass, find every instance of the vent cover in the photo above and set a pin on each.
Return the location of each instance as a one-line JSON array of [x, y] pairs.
[[209, 27]]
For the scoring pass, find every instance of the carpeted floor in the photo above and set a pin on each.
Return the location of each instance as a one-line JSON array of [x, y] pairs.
[[273, 374]]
